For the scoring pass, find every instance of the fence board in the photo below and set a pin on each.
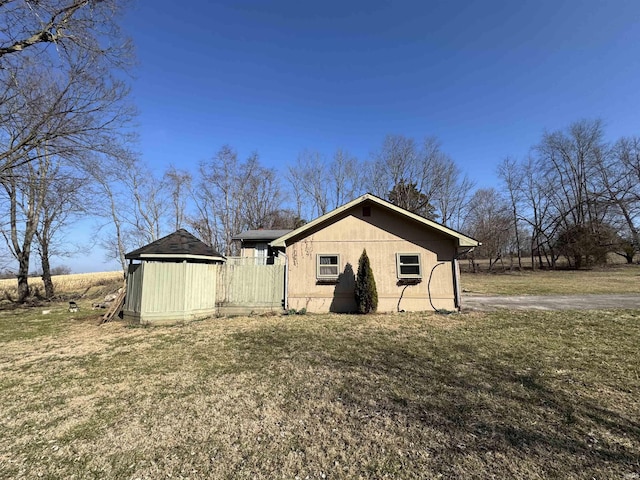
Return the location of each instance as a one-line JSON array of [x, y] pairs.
[[245, 288]]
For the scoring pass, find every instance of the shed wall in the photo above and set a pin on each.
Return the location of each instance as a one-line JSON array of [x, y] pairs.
[[171, 291], [133, 299]]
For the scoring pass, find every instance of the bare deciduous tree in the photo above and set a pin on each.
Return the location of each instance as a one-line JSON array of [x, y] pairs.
[[511, 176], [67, 25], [234, 195], [178, 183], [490, 222], [321, 185], [570, 161], [400, 161]]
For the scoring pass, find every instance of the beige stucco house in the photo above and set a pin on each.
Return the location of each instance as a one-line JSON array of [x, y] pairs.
[[414, 260]]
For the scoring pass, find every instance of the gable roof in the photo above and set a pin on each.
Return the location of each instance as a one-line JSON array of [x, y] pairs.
[[178, 245], [261, 234], [461, 240]]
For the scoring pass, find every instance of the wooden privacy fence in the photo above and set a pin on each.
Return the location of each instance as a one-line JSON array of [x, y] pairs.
[[243, 286], [173, 291]]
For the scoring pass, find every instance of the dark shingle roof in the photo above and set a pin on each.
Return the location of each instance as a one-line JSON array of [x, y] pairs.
[[180, 244], [257, 235]]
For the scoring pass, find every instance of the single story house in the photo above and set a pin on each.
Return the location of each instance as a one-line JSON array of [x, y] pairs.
[[414, 260]]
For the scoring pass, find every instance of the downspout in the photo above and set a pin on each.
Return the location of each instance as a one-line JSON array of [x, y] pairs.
[[285, 300]]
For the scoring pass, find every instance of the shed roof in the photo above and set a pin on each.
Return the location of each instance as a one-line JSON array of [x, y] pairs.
[[178, 245], [260, 234], [461, 239]]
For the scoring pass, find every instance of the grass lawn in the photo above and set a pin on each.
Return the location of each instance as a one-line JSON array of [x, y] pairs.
[[612, 279], [496, 395]]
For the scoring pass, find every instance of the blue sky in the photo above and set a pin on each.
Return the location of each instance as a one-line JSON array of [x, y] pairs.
[[277, 77], [487, 78]]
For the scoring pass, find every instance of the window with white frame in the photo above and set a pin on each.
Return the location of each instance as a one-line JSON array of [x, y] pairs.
[[261, 253], [327, 266], [408, 265]]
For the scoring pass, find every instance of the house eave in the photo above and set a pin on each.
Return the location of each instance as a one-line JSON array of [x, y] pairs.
[[461, 239]]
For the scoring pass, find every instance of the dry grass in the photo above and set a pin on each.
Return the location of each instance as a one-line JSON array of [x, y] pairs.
[[500, 395], [613, 279], [64, 284]]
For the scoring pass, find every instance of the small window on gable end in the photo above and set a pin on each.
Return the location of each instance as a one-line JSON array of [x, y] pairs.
[[327, 266], [366, 211], [408, 265]]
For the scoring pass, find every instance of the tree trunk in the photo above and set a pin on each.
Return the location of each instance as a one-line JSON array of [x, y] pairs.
[[23, 278], [46, 273]]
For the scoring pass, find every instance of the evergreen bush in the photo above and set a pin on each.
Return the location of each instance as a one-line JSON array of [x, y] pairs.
[[366, 292]]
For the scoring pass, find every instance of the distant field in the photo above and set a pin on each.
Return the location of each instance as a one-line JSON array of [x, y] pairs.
[[64, 284], [612, 279], [500, 395]]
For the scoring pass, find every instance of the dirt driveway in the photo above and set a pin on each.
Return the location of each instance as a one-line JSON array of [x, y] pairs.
[[549, 302]]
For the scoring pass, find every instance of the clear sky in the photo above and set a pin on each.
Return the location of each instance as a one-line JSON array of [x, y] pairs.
[[486, 77]]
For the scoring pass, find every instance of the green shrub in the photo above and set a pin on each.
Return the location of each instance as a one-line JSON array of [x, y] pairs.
[[366, 292]]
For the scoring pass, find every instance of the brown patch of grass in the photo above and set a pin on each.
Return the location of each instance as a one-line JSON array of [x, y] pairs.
[[608, 280], [517, 395]]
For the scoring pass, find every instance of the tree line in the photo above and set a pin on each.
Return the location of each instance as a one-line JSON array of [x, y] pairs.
[[66, 136], [575, 196]]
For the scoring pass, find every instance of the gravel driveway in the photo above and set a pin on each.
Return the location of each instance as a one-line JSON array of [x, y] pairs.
[[549, 302]]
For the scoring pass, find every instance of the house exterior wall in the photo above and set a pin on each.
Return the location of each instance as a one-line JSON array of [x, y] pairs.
[[257, 250], [248, 249], [383, 234]]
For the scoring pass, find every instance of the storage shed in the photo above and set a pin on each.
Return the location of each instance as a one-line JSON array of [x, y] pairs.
[[171, 279]]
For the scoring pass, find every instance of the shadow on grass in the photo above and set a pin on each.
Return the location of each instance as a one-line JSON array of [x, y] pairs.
[[481, 401], [488, 406]]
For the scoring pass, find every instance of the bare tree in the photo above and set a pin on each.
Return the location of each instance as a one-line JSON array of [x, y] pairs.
[[570, 160], [149, 203], [25, 194], [309, 178], [345, 173], [64, 95], [178, 183], [63, 202], [511, 176], [489, 221], [319, 185], [401, 161], [61, 104], [110, 201], [620, 177], [262, 195], [233, 195], [68, 25]]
